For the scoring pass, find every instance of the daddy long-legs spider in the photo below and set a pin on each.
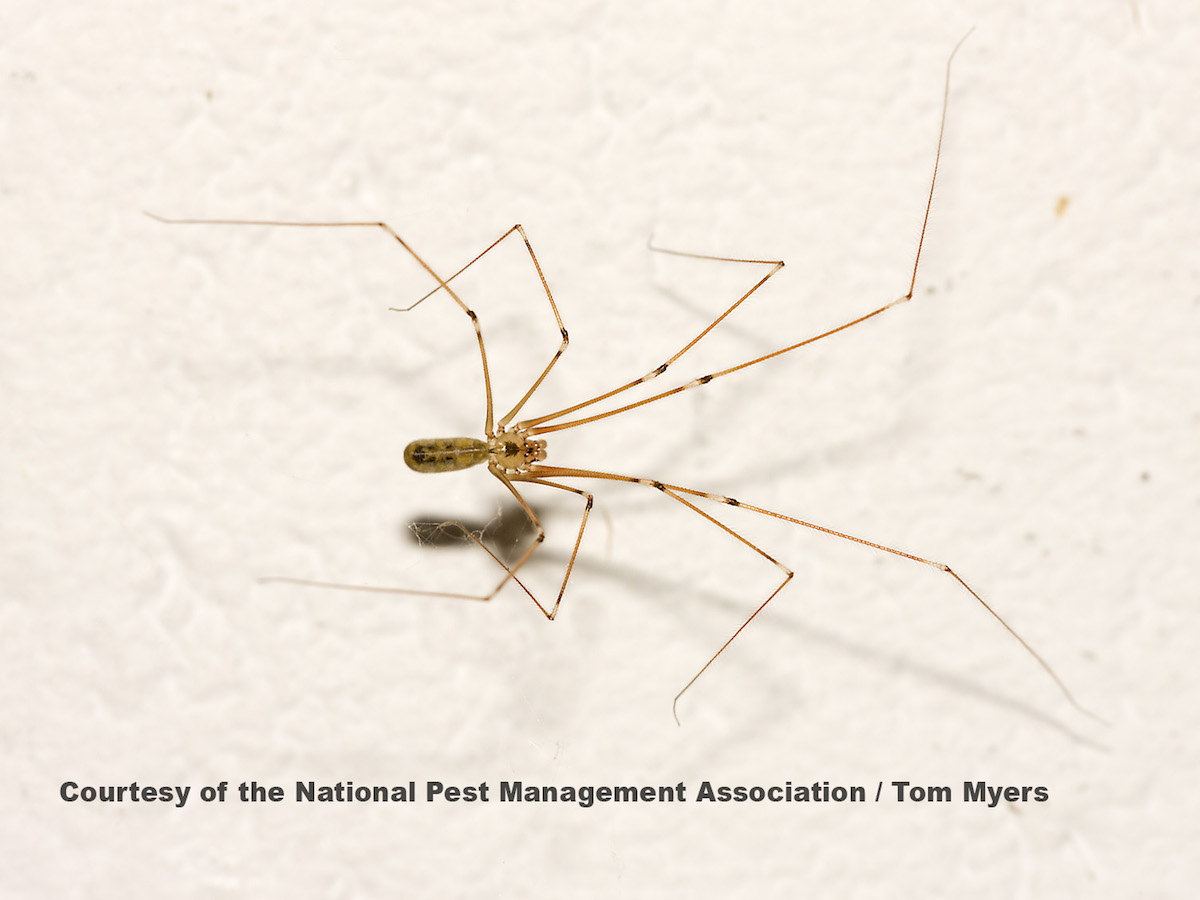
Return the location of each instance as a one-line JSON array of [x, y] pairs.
[[514, 449]]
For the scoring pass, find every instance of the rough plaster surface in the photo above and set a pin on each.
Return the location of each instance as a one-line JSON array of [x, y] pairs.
[[186, 409]]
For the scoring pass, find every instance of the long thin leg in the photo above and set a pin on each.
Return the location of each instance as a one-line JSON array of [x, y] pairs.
[[487, 378], [507, 480], [371, 589], [511, 414], [587, 508], [776, 265], [703, 379], [788, 573], [543, 472], [467, 533], [538, 426], [510, 572]]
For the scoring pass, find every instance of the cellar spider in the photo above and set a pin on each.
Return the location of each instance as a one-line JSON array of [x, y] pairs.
[[514, 452]]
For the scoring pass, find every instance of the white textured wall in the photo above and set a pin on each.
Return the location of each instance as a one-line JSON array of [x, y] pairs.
[[185, 409]]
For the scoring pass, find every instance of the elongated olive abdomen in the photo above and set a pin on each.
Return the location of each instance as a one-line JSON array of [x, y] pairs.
[[445, 454]]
